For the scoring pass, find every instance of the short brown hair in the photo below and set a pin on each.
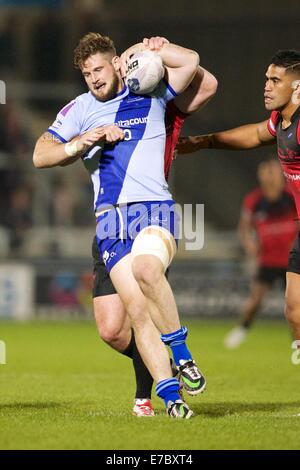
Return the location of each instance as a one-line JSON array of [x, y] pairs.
[[90, 44]]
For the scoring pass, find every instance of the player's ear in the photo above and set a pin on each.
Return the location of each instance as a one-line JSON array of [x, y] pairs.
[[296, 91], [116, 62]]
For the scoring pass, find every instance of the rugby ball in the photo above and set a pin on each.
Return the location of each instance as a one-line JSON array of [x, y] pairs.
[[144, 72]]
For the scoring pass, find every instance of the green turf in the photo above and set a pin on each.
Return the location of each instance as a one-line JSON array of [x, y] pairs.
[[62, 388]]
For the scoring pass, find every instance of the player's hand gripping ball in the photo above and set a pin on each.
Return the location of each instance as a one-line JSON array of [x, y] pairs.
[[144, 72]]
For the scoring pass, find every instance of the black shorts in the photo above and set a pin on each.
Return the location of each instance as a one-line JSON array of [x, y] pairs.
[[102, 283], [269, 275], [294, 258]]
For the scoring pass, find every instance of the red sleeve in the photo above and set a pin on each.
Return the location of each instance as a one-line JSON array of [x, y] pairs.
[[174, 119], [272, 122], [298, 132]]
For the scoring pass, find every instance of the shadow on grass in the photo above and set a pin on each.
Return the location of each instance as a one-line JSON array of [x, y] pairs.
[[216, 410]]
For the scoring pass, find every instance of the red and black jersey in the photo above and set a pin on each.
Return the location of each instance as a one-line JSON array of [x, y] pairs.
[[274, 224], [174, 119], [288, 145]]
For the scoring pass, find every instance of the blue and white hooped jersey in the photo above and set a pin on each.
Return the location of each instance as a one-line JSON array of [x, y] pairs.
[[133, 169]]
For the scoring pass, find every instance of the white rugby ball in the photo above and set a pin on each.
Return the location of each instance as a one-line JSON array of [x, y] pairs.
[[144, 72]]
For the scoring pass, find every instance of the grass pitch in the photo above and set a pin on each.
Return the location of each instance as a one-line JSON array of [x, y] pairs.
[[62, 388]]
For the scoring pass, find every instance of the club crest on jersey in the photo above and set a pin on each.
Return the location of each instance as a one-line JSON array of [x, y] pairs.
[[133, 84], [105, 256]]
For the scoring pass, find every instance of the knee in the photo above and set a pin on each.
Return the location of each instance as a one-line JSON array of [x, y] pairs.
[[111, 319], [110, 332], [147, 272], [111, 328]]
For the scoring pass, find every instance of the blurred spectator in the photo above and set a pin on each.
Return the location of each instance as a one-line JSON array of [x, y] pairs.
[[48, 37], [14, 136], [15, 197], [8, 47], [18, 217], [62, 204], [84, 292], [267, 230], [62, 291]]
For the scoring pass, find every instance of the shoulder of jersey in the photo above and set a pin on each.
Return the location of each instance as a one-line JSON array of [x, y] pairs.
[[273, 121]]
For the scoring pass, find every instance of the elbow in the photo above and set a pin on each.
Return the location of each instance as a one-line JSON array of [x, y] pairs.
[[213, 86], [37, 160], [210, 85], [195, 60]]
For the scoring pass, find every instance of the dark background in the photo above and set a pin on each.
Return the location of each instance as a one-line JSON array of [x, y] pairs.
[[235, 40]]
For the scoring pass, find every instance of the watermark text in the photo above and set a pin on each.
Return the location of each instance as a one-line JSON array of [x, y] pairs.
[[295, 358]]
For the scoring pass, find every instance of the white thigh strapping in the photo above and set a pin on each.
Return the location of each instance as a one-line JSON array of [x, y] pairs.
[[156, 241]]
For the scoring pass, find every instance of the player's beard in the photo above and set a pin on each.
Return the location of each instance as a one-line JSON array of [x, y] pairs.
[[111, 90]]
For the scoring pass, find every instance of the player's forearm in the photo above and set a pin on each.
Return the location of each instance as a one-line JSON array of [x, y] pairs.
[[175, 56], [51, 154], [194, 143], [249, 246], [247, 237], [180, 63], [240, 138]]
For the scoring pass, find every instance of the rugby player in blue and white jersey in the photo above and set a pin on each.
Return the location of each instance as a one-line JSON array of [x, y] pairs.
[[111, 318], [122, 142]]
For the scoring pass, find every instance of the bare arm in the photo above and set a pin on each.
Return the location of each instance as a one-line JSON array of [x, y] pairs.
[[50, 151], [240, 138], [247, 236], [180, 63], [201, 89]]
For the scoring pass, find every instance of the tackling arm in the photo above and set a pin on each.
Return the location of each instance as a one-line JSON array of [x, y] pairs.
[[240, 138]]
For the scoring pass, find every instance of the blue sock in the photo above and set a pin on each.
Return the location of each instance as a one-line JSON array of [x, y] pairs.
[[176, 341], [168, 390]]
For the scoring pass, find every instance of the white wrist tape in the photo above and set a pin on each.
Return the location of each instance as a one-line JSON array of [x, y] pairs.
[[71, 149]]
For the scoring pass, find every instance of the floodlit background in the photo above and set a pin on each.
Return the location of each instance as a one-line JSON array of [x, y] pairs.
[[46, 218]]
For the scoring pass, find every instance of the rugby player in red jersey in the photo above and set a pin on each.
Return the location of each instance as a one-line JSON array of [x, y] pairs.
[[267, 229], [111, 318], [282, 98]]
